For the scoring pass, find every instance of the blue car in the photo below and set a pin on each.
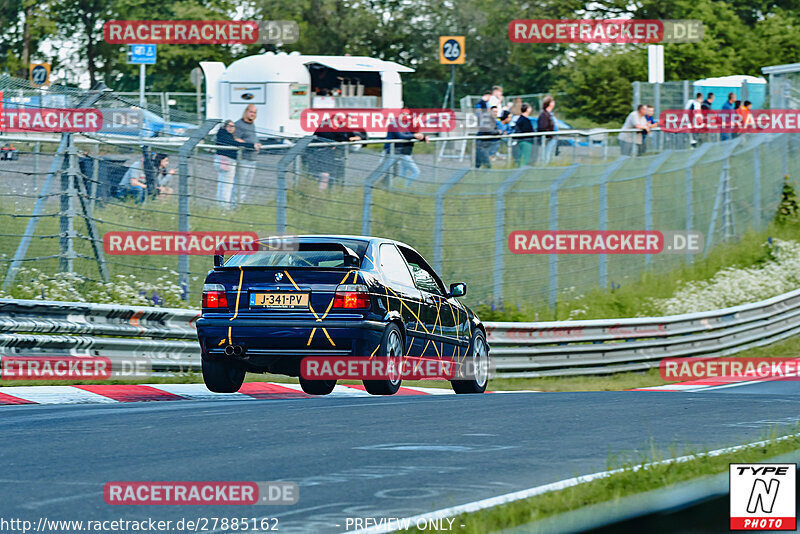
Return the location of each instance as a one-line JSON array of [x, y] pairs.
[[344, 296]]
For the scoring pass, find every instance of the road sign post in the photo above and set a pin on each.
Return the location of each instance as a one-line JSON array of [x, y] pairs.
[[141, 54], [451, 52]]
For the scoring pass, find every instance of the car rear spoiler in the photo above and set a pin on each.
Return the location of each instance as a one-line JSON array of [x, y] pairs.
[[351, 258]]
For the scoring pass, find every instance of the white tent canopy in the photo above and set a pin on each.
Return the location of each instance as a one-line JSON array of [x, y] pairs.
[[730, 81]]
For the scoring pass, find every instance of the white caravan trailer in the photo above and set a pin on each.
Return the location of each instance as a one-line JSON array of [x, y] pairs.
[[283, 85]]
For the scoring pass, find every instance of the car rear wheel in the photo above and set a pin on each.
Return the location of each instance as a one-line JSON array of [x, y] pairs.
[[317, 387], [221, 376], [477, 362], [391, 349]]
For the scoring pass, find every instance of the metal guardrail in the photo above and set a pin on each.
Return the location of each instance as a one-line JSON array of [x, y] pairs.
[[166, 336]]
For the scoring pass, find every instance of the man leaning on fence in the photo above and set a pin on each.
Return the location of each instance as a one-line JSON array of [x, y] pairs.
[[630, 143]]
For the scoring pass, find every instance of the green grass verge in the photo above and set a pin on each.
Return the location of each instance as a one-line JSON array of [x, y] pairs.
[[636, 477]]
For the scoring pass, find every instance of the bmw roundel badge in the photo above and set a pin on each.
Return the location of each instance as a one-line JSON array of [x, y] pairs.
[[278, 277]]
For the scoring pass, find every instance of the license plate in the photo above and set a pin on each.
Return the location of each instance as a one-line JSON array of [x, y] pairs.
[[275, 299]]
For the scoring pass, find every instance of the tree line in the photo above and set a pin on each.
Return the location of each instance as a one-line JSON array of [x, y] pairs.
[[741, 36]]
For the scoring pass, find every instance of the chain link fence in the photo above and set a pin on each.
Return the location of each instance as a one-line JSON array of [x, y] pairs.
[[60, 196]]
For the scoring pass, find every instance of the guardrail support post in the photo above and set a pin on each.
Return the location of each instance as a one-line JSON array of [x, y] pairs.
[[195, 136], [499, 232], [552, 258], [438, 218]]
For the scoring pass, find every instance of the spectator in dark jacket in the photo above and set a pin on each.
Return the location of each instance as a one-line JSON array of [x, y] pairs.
[[328, 161], [487, 125], [402, 151], [707, 103], [524, 144], [225, 162], [547, 123]]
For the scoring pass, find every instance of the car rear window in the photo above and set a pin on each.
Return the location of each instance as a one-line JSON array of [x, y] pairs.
[[300, 258]]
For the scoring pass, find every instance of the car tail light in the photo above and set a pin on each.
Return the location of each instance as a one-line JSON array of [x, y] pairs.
[[214, 296], [351, 297]]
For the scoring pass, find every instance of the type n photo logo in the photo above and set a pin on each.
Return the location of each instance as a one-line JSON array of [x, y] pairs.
[[763, 496]]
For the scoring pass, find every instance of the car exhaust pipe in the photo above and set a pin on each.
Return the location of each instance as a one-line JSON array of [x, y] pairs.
[[229, 350], [238, 350]]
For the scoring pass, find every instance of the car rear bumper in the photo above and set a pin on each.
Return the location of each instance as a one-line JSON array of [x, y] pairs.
[[277, 345]]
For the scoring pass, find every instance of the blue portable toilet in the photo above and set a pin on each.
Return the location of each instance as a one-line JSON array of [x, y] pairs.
[[721, 86]]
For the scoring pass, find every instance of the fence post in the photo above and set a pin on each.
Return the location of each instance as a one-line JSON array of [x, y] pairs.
[[235, 192], [95, 173], [369, 184], [688, 186], [722, 198], [499, 232], [280, 195], [58, 163], [685, 93], [648, 196], [757, 187], [438, 218], [637, 94], [603, 212], [552, 258], [785, 154], [66, 239], [195, 136], [37, 147]]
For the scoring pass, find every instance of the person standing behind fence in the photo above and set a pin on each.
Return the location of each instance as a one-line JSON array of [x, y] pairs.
[[524, 144], [482, 104], [246, 131], [496, 99], [547, 123], [727, 107], [635, 121], [402, 151], [487, 125], [225, 162], [648, 116]]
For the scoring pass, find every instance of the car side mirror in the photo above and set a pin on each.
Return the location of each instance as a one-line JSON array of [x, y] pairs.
[[218, 260], [459, 289]]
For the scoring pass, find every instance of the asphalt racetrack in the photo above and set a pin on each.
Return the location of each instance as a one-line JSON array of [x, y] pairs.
[[373, 457]]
